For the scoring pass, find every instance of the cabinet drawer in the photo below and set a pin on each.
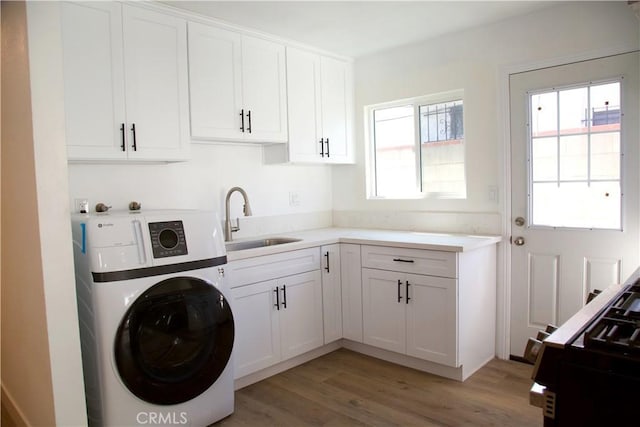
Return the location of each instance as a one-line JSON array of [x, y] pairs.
[[261, 268], [417, 261]]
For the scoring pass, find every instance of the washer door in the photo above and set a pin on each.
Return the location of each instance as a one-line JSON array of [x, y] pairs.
[[174, 341]]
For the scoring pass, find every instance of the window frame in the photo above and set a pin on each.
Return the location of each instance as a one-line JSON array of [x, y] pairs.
[[370, 148]]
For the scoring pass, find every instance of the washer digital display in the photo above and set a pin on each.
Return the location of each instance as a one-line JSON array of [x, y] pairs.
[[167, 239]]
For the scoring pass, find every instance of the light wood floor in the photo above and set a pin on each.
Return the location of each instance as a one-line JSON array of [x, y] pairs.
[[345, 388]]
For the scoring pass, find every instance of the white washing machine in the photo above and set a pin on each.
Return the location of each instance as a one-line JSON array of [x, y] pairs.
[[156, 326]]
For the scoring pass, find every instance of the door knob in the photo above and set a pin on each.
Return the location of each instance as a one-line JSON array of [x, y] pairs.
[[518, 241], [519, 221]]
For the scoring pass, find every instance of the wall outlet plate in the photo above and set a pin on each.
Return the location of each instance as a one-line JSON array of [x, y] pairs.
[[81, 205]]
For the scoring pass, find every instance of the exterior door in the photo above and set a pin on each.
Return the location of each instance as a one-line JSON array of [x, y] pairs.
[[574, 174]]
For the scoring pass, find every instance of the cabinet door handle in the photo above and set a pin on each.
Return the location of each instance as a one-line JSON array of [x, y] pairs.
[[322, 147], [399, 290], [327, 147], [122, 133], [327, 267], [284, 296], [249, 117], [277, 304], [242, 120], [407, 296], [403, 260], [133, 131]]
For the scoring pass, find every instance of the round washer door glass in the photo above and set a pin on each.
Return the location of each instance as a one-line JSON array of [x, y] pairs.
[[174, 341]]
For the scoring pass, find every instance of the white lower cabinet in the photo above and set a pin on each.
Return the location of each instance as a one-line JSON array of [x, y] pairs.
[[276, 320], [351, 275], [412, 314]]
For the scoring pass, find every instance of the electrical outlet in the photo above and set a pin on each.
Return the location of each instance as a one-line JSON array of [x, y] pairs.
[[81, 205], [294, 198]]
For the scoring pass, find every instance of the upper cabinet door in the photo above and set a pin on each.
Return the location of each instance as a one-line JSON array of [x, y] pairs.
[[215, 60], [264, 90], [337, 109], [304, 104], [93, 80], [237, 86], [156, 78]]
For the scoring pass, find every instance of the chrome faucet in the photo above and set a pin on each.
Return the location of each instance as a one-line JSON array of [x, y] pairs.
[[228, 228]]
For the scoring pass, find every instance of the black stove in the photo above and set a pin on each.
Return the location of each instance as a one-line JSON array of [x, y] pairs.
[[617, 330], [590, 367]]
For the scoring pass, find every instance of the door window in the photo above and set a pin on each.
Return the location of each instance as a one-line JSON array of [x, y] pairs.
[[575, 156]]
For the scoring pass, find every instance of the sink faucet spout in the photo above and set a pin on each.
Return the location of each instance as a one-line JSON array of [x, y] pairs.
[[228, 228]]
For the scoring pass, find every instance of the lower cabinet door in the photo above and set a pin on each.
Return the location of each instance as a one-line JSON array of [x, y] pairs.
[[301, 328], [257, 331], [432, 331], [331, 293], [383, 309]]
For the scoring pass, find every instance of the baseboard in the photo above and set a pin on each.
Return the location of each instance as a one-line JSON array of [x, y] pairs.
[[9, 404]]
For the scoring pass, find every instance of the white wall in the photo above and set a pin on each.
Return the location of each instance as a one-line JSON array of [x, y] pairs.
[[473, 61], [42, 376], [202, 183], [26, 372]]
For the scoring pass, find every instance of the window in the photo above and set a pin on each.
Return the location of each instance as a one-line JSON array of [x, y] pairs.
[[575, 156], [417, 148]]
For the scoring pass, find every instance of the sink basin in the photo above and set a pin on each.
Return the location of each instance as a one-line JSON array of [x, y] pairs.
[[259, 243]]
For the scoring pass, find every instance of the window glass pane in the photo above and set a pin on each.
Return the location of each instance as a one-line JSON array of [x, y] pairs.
[[544, 153], [442, 149], [574, 157], [544, 114], [395, 152], [605, 155], [577, 204], [573, 110]]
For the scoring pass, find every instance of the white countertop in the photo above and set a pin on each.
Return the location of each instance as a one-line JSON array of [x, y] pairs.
[[403, 239]]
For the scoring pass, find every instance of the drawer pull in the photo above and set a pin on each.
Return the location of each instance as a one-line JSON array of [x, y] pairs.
[[403, 260]]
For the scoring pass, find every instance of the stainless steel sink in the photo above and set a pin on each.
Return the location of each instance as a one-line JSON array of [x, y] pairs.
[[259, 243]]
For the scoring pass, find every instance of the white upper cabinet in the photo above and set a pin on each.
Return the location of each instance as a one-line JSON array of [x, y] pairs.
[[337, 110], [93, 80], [156, 79], [107, 47], [237, 86], [320, 106]]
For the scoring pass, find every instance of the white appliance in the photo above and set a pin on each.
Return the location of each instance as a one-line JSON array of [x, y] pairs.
[[156, 326]]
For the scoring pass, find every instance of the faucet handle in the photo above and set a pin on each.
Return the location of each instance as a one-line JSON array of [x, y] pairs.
[[236, 227]]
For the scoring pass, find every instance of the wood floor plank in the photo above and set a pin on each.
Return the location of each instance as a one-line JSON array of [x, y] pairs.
[[344, 388]]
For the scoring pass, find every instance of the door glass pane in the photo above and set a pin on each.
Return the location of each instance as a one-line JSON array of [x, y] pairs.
[[605, 155], [395, 151], [545, 159], [587, 154], [573, 110], [577, 204], [544, 114], [574, 157]]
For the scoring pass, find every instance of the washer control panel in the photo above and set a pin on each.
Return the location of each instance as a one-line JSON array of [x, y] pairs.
[[167, 239]]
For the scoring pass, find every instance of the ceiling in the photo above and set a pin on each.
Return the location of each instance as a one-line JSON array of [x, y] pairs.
[[359, 28]]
